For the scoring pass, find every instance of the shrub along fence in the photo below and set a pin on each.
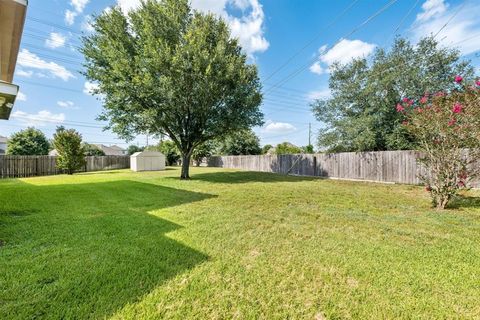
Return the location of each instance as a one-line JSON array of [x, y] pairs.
[[29, 166], [382, 166]]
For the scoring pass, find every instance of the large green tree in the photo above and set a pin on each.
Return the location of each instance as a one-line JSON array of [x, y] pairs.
[[28, 142], [92, 150], [71, 152], [165, 69], [133, 149], [287, 148], [243, 142], [359, 115], [204, 150], [170, 151]]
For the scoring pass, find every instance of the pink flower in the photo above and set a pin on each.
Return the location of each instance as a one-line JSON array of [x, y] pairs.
[[461, 184], [440, 94], [400, 108], [457, 108], [451, 122], [477, 83], [458, 79], [419, 110], [405, 100], [423, 100]]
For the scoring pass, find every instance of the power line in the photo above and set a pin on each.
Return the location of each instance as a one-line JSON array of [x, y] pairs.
[[331, 24], [60, 60], [406, 17], [450, 19], [364, 23], [47, 23], [49, 86], [29, 45]]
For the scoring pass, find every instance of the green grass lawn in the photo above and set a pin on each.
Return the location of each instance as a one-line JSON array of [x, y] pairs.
[[232, 244]]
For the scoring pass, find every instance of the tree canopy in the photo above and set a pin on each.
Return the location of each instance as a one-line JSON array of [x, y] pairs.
[[71, 154], [287, 148], [133, 149], [204, 150], [28, 142], [92, 150], [170, 150], [243, 142], [359, 115], [166, 69]]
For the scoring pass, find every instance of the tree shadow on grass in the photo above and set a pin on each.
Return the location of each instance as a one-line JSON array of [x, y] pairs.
[[248, 176], [87, 250], [464, 201]]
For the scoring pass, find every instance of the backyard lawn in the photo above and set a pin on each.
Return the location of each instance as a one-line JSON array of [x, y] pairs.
[[233, 244]]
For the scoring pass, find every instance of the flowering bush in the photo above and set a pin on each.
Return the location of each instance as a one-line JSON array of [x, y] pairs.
[[446, 127]]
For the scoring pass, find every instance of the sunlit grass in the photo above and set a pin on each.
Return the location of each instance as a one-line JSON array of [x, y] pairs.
[[232, 244]]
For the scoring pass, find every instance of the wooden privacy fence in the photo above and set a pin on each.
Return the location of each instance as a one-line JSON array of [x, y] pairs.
[[382, 166], [29, 166]]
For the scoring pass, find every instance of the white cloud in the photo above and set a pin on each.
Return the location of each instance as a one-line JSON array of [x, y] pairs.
[[70, 17], [30, 60], [79, 5], [21, 96], [87, 24], [213, 6], [319, 94], [22, 73], [346, 50], [248, 28], [278, 127], [67, 105], [343, 52], [55, 40], [42, 118], [317, 68], [127, 5], [462, 31], [432, 8], [89, 87]]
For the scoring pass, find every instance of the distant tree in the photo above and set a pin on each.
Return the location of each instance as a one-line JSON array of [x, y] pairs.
[[308, 149], [92, 150], [71, 155], [170, 150], [204, 151], [287, 148], [266, 148], [359, 115], [134, 148], [28, 142], [244, 142], [166, 69]]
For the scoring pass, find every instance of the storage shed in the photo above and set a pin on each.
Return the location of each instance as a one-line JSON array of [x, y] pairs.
[[147, 161]]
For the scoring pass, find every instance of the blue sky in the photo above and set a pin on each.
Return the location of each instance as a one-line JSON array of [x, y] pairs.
[[53, 92]]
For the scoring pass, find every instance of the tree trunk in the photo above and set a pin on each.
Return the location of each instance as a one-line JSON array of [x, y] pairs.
[[185, 166], [442, 201]]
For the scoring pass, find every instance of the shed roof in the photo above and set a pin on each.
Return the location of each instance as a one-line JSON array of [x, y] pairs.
[[147, 154]]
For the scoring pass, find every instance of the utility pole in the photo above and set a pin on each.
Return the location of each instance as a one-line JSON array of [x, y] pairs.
[[309, 133]]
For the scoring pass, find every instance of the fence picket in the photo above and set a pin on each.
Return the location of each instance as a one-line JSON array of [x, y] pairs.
[[381, 166], [29, 166]]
